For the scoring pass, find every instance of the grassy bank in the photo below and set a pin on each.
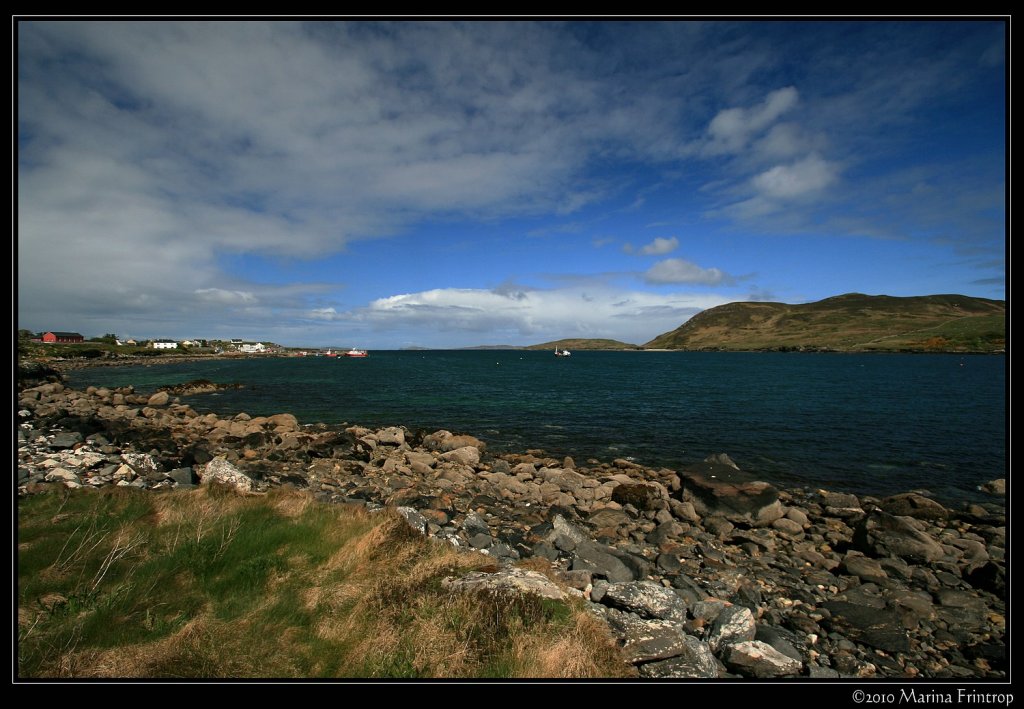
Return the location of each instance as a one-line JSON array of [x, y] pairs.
[[206, 583]]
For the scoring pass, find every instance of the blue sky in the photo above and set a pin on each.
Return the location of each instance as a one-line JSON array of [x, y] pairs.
[[446, 184]]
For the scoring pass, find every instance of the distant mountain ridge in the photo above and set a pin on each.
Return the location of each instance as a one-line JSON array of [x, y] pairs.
[[852, 322]]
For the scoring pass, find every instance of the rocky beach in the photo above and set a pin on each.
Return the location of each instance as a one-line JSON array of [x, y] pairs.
[[700, 572]]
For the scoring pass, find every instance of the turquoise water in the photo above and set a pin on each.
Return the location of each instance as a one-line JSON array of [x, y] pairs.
[[869, 424]]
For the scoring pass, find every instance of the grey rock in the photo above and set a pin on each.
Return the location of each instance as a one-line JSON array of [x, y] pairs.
[[511, 580], [475, 524], [647, 599], [221, 471], [481, 541], [882, 534], [911, 504], [413, 518], [159, 399], [669, 563], [781, 640], [182, 476], [862, 567], [646, 640], [695, 660], [754, 658], [875, 627], [714, 488], [788, 526], [595, 557], [819, 672], [734, 624], [66, 439], [467, 455]]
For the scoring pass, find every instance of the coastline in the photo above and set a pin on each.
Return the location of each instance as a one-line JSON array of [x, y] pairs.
[[844, 586]]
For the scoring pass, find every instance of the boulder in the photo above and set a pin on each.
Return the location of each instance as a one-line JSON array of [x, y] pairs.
[[910, 504], [512, 580], [159, 399], [882, 534], [647, 599], [466, 455], [221, 471], [717, 489], [995, 487], [392, 436], [642, 497], [646, 640], [734, 624], [695, 660], [867, 570], [879, 628], [754, 658], [66, 439]]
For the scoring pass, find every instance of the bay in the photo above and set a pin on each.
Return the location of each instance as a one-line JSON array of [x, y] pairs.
[[870, 424]]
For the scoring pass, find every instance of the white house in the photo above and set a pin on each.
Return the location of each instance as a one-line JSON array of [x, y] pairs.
[[252, 349], [165, 345]]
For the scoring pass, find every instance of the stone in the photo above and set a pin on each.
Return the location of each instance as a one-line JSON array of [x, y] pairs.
[[159, 399], [911, 504], [856, 564], [413, 518], [882, 534], [878, 628], [66, 439], [990, 577], [995, 487], [182, 476], [62, 475], [753, 658], [646, 640], [647, 599], [788, 526], [392, 436], [684, 511], [466, 455], [481, 541], [221, 471], [642, 497], [695, 660], [511, 580], [734, 624], [717, 489]]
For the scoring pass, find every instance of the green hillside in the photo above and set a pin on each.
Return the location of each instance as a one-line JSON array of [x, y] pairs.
[[847, 323]]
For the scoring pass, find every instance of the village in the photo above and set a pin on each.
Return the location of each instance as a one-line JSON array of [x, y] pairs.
[[193, 346]]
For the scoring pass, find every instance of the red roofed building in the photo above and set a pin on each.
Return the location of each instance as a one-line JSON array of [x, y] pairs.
[[62, 337]]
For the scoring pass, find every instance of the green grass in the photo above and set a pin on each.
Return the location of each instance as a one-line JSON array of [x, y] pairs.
[[206, 583]]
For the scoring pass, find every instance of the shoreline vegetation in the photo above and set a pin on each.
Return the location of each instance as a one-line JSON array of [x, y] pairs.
[[699, 572]]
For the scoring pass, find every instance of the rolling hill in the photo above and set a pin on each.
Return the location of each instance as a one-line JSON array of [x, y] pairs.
[[853, 322], [584, 344]]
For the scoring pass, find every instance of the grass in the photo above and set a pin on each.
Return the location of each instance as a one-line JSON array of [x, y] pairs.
[[208, 584]]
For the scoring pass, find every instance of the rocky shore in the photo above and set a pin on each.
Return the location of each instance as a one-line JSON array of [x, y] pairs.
[[700, 572]]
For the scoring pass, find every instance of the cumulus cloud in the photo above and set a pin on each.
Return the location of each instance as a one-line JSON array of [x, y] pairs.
[[680, 271], [660, 246]]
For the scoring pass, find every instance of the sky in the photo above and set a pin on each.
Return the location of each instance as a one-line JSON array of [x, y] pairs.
[[452, 184]]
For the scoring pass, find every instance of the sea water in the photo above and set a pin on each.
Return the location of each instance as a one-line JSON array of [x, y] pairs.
[[865, 423]]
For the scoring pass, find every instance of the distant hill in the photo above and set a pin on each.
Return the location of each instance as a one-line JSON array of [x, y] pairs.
[[847, 323], [584, 344]]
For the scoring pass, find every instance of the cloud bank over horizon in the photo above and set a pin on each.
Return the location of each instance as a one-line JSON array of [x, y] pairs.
[[322, 182]]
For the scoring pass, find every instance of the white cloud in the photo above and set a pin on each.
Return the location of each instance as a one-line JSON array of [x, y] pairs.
[[732, 129], [677, 270], [807, 176], [462, 316], [660, 246]]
